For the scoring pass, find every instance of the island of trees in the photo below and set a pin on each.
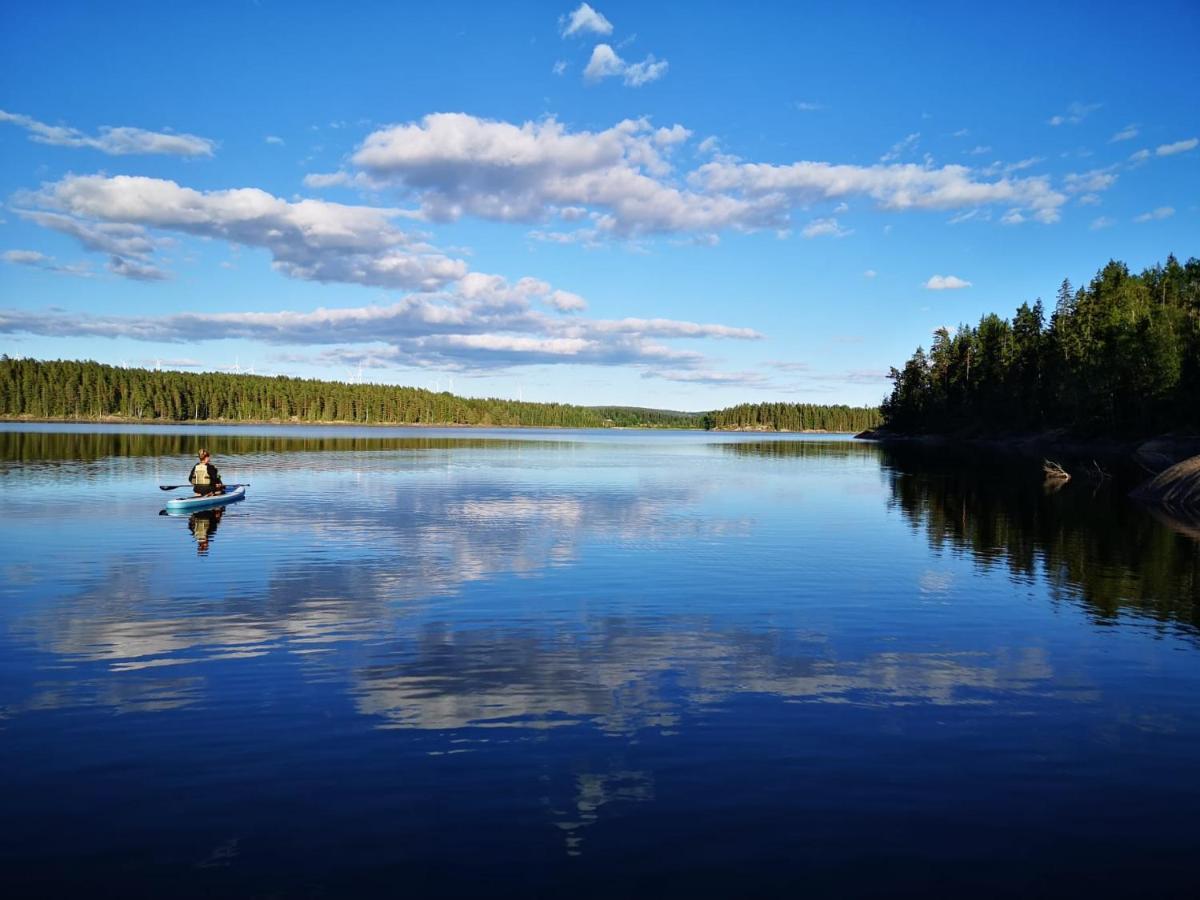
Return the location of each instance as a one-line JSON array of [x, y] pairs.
[[1118, 357], [82, 391]]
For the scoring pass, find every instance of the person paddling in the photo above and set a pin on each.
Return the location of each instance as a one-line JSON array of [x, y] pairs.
[[204, 477]]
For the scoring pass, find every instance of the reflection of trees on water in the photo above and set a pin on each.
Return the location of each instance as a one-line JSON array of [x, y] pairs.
[[22, 447], [802, 449], [1088, 542]]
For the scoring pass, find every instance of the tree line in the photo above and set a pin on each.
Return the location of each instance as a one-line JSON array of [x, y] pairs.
[[1119, 356], [83, 390], [792, 417]]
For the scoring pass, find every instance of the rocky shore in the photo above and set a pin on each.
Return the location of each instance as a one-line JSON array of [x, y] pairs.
[[1171, 462]]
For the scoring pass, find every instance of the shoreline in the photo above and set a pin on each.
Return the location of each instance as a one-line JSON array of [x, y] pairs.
[[336, 423], [1170, 463], [1153, 452]]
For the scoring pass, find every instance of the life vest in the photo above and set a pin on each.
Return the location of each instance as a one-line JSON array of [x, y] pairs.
[[200, 475]]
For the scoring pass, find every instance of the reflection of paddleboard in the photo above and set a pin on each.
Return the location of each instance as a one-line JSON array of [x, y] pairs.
[[233, 493]]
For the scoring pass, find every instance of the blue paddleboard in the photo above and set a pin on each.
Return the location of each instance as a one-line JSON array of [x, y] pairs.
[[233, 493]]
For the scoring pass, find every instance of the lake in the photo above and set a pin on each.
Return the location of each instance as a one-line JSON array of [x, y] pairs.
[[423, 662]]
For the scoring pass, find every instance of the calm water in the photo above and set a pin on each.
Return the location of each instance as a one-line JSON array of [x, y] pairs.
[[418, 663]]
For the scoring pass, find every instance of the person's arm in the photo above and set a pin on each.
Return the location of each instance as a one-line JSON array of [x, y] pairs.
[[213, 475], [192, 475]]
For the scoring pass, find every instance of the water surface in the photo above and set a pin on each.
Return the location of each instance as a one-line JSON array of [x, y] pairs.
[[428, 662]]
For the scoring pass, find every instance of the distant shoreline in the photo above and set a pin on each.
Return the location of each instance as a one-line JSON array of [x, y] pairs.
[[126, 420]]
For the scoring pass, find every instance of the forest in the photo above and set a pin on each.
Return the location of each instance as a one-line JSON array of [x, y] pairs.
[[84, 391], [1120, 356]]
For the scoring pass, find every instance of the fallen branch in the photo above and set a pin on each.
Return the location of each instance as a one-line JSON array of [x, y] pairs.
[[1055, 472]]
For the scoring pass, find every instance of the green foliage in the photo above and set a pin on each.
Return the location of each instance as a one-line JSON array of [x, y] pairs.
[[90, 390], [792, 417], [1119, 356]]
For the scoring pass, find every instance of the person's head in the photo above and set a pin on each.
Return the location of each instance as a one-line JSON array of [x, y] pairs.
[[203, 454]]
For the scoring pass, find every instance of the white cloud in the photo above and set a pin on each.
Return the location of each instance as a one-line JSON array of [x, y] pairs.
[[308, 239], [982, 215], [1013, 217], [825, 227], [1128, 133], [36, 260], [1075, 114], [565, 301], [1177, 147], [805, 106], [706, 376], [1163, 212], [115, 238], [946, 283], [979, 150], [1089, 182], [1088, 200], [453, 164], [584, 20], [605, 63], [483, 322], [273, 139], [870, 273], [893, 187], [900, 148], [559, 67], [134, 270], [1102, 222], [113, 140]]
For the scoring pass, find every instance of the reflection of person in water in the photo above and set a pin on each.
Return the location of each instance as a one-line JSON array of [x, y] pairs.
[[203, 525], [204, 476]]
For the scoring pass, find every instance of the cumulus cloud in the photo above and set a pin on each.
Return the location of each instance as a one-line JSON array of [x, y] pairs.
[[273, 139], [1128, 133], [565, 301], [605, 63], [453, 164], [37, 260], [1163, 212], [870, 273], [946, 283], [308, 239], [113, 140], [1102, 222], [1075, 114], [1177, 147], [825, 228], [584, 20]]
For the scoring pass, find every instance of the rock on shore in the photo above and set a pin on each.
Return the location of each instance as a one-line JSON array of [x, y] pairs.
[[1176, 488]]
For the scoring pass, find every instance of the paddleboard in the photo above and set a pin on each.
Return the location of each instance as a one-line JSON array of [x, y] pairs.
[[233, 493]]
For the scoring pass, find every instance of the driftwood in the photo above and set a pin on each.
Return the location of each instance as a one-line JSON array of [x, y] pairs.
[[1054, 472]]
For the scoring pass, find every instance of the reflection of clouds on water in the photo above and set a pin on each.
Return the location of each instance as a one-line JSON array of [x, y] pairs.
[[621, 679], [596, 790], [412, 542], [932, 582]]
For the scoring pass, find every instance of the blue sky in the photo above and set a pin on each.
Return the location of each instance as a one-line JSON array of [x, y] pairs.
[[672, 205]]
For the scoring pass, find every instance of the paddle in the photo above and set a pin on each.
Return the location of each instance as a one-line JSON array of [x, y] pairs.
[[175, 487]]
